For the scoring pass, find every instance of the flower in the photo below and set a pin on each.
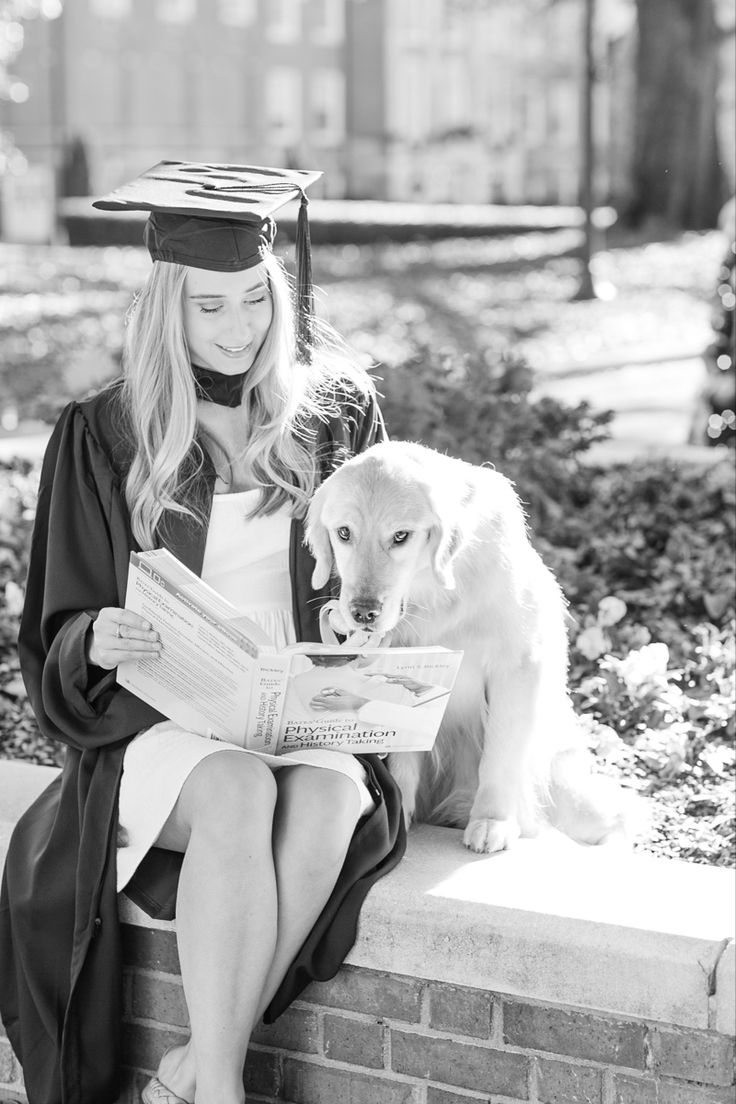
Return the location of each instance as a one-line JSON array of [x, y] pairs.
[[664, 750], [611, 610], [644, 665], [593, 642]]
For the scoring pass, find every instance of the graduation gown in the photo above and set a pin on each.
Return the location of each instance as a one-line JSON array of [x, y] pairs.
[[60, 942]]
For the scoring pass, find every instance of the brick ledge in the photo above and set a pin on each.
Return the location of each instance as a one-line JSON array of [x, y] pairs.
[[549, 921]]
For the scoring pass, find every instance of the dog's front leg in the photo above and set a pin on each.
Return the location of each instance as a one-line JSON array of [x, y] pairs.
[[406, 767], [503, 773]]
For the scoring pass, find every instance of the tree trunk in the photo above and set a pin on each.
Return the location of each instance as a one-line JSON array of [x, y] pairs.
[[586, 290], [676, 172]]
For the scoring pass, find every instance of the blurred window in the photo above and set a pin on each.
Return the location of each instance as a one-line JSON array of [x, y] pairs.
[[502, 99], [237, 13], [329, 21], [282, 20], [416, 20], [99, 85], [327, 107], [110, 9], [166, 80], [413, 98], [454, 106], [283, 105], [176, 11]]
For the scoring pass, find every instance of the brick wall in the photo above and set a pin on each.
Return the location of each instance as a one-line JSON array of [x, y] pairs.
[[369, 1037], [374, 1038]]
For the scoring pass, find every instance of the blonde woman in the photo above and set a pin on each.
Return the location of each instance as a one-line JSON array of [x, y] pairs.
[[228, 416]]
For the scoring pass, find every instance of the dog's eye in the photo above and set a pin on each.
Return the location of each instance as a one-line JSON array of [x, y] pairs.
[[343, 533], [401, 536]]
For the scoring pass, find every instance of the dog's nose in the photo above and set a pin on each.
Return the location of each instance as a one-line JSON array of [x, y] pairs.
[[364, 612]]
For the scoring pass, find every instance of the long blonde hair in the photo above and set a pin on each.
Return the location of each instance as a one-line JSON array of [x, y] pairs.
[[282, 398]]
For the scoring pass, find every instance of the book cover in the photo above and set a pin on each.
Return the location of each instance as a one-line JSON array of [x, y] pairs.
[[220, 676]]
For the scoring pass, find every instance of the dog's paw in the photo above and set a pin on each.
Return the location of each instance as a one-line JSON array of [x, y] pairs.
[[487, 836]]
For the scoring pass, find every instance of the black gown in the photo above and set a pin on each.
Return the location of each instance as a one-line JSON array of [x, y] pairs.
[[60, 942]]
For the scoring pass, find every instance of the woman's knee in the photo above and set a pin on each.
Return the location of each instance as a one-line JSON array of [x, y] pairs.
[[229, 790], [325, 802]]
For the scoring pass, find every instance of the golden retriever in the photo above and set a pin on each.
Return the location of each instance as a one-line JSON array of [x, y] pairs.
[[432, 550]]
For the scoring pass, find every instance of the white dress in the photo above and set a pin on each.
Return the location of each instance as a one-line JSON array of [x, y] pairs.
[[247, 561]]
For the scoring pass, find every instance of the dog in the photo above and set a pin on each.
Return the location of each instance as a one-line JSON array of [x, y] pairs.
[[433, 550]]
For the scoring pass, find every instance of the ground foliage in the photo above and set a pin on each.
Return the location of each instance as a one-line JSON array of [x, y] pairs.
[[644, 552]]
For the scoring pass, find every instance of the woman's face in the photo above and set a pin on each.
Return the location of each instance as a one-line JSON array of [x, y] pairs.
[[226, 317]]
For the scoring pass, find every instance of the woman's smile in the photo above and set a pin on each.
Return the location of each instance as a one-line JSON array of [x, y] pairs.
[[233, 350]]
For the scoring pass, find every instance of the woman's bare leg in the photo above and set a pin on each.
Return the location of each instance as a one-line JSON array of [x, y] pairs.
[[316, 815], [315, 818], [226, 919]]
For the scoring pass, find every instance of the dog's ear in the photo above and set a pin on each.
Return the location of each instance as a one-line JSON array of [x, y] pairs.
[[444, 542], [318, 542], [449, 501]]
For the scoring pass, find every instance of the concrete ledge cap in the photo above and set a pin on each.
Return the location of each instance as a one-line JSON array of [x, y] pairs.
[[596, 928], [552, 921]]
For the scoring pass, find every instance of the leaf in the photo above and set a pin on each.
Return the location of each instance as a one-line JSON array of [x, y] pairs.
[[716, 605], [14, 598], [717, 759], [15, 688]]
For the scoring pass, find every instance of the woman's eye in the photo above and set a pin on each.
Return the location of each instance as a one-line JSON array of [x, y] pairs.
[[255, 302], [343, 533], [209, 310], [401, 536]]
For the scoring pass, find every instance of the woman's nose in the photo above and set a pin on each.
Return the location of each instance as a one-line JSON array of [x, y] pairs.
[[239, 323]]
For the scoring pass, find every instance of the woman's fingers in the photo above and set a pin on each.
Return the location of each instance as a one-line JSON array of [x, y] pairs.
[[118, 636]]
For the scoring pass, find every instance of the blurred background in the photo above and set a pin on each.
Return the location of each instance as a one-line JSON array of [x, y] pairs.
[[542, 130], [525, 229], [516, 145]]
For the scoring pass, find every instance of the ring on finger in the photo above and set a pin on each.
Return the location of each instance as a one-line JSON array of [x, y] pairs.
[[118, 631]]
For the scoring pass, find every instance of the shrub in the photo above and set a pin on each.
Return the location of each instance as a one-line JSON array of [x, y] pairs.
[[483, 411]]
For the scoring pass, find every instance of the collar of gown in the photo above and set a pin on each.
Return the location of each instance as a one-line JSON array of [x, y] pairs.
[[218, 388]]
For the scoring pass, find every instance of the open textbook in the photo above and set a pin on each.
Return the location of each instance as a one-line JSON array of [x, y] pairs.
[[219, 675]]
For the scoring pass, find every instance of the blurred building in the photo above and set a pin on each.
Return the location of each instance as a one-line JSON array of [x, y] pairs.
[[444, 100]]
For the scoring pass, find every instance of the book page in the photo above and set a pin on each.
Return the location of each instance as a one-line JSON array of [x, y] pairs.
[[207, 600], [202, 678]]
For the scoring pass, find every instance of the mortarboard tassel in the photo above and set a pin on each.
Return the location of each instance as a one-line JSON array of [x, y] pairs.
[[304, 290]]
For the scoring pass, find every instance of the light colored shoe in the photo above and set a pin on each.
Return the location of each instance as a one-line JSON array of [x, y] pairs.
[[156, 1093]]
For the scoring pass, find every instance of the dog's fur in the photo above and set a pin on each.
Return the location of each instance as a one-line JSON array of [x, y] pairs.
[[508, 756]]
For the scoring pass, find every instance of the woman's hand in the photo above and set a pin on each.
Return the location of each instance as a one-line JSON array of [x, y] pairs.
[[118, 635], [333, 698]]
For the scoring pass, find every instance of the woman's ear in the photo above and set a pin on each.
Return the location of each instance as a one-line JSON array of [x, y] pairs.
[[318, 542]]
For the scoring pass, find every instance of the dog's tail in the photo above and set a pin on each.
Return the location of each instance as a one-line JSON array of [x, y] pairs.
[[589, 807]]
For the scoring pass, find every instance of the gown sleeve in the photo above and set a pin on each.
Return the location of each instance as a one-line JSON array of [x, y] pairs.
[[78, 564]]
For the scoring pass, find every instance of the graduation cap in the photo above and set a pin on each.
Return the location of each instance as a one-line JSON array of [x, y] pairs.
[[220, 217]]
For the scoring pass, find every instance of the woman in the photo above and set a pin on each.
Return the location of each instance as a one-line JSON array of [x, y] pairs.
[[210, 446]]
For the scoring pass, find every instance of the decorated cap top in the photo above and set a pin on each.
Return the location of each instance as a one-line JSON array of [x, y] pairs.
[[220, 217]]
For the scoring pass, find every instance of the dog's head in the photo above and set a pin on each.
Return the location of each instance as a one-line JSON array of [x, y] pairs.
[[379, 522]]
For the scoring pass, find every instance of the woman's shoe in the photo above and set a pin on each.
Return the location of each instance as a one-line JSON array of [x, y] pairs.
[[156, 1093]]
